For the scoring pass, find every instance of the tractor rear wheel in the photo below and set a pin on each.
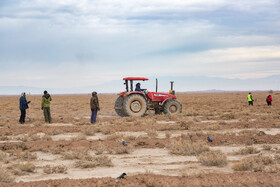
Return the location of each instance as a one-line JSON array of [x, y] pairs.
[[172, 107], [135, 105], [119, 106]]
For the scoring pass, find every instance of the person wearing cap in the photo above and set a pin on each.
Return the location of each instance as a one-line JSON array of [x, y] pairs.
[[250, 99], [23, 105], [46, 102], [94, 106]]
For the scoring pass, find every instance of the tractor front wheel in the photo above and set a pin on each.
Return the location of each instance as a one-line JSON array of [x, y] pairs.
[[172, 107], [135, 105]]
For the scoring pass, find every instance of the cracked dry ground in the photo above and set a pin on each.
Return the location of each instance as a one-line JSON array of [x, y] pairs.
[[162, 150]]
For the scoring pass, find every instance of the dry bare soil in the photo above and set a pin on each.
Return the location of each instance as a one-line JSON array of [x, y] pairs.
[[162, 150]]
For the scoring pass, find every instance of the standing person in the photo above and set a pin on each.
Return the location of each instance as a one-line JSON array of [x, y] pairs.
[[94, 106], [250, 99], [46, 102], [269, 100], [23, 105]]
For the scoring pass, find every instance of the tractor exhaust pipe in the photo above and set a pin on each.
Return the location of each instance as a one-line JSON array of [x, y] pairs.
[[156, 85], [171, 91]]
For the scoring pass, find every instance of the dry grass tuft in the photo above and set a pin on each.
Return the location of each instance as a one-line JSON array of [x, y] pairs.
[[167, 134], [248, 150], [55, 132], [47, 138], [5, 176], [114, 137], [3, 155], [80, 153], [22, 169], [56, 169], [101, 161], [253, 163], [152, 133], [131, 138], [89, 131], [26, 155], [188, 148], [120, 150], [213, 158], [79, 137]]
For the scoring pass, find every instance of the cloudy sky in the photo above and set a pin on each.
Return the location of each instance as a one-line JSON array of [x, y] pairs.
[[74, 43]]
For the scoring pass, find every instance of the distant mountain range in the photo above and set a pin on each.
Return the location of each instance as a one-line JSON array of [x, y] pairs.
[[181, 84]]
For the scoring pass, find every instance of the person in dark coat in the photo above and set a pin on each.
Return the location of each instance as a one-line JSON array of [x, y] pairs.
[[94, 106], [45, 106], [23, 105], [269, 100]]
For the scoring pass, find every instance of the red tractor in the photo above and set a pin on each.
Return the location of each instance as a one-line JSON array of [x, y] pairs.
[[136, 103]]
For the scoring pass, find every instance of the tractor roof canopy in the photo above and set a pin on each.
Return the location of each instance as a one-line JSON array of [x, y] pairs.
[[136, 78]]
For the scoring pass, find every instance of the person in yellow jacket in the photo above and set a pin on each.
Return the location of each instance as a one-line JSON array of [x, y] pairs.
[[250, 99], [46, 102]]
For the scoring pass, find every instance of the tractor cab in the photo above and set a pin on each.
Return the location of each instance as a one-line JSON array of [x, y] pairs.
[[128, 82]]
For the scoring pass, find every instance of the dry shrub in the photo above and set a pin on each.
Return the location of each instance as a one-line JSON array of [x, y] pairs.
[[34, 137], [267, 147], [114, 137], [100, 149], [131, 138], [248, 132], [152, 133], [213, 158], [142, 137], [248, 150], [252, 163], [5, 176], [47, 138], [82, 123], [55, 132], [188, 148], [214, 127], [106, 130], [228, 116], [56, 169], [79, 137], [22, 169], [80, 153], [167, 134], [185, 125], [222, 123], [3, 155], [277, 158], [89, 131], [3, 138], [37, 124], [26, 155], [120, 150], [101, 161]]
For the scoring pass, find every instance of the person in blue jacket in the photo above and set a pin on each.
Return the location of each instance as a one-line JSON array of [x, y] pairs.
[[138, 88], [23, 105]]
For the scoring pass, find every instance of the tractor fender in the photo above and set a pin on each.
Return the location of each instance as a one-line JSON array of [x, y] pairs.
[[133, 92], [167, 99]]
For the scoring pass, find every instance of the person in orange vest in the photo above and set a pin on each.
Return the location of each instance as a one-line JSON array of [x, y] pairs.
[[269, 100]]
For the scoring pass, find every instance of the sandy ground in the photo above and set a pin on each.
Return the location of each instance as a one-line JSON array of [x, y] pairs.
[[148, 161]]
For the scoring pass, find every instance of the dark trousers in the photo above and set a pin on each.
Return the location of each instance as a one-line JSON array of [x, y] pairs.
[[250, 103], [22, 116], [93, 115], [268, 103], [47, 114]]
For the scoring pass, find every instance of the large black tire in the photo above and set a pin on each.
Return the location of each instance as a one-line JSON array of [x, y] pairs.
[[172, 107], [119, 106], [135, 105]]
